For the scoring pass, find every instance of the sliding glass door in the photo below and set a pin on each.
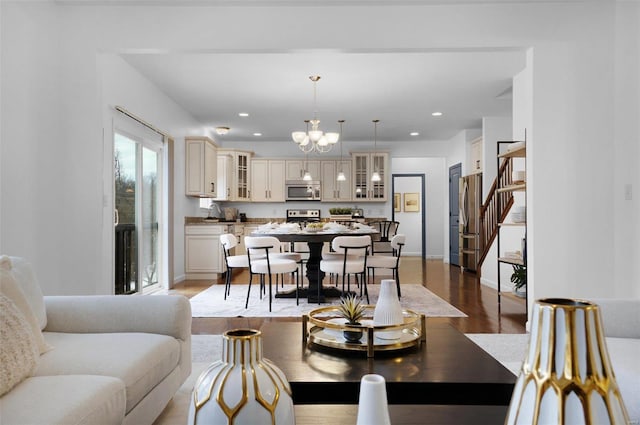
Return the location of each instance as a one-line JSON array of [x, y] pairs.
[[137, 182]]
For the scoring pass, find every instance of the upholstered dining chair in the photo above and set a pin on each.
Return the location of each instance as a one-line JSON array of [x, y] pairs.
[[229, 241], [349, 258], [387, 229], [386, 262], [272, 262]]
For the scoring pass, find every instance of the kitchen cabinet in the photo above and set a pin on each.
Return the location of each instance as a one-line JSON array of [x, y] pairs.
[[204, 258], [224, 176], [201, 167], [333, 190], [296, 169], [364, 165], [233, 175], [267, 180]]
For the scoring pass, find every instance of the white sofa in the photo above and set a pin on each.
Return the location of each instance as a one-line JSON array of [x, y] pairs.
[[115, 359], [621, 321]]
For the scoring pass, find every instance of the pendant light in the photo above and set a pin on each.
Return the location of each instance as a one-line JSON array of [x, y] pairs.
[[341, 177], [375, 176]]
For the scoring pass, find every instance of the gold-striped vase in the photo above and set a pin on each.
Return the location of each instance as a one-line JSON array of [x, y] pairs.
[[243, 387], [566, 377]]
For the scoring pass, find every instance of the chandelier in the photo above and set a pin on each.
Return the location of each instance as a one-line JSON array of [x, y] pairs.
[[314, 139]]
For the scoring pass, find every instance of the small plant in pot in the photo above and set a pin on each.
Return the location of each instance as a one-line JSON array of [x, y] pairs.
[[352, 310], [519, 279]]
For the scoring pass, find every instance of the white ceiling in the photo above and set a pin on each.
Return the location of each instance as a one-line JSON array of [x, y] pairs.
[[400, 88]]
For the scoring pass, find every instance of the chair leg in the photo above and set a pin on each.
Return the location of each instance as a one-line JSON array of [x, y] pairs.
[[396, 272], [366, 290], [270, 291], [246, 305]]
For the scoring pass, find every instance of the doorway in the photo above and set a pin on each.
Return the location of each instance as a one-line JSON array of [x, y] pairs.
[[413, 219], [137, 214], [455, 172]]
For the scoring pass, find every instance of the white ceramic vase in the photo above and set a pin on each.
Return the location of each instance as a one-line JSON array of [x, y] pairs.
[[566, 377], [373, 408], [243, 387], [388, 310]]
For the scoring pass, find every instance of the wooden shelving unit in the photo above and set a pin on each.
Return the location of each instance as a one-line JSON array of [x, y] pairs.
[[519, 152]]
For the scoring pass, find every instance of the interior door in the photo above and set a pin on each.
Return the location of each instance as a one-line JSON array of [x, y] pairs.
[[455, 172]]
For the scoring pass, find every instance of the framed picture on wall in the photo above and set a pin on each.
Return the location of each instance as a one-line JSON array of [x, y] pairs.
[[396, 202], [411, 202]]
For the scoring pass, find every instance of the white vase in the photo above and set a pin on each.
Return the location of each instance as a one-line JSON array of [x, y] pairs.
[[566, 376], [243, 387], [388, 310], [373, 408]]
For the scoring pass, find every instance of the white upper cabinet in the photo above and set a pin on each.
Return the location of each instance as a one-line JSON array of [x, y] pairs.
[[364, 165], [332, 189], [233, 179], [267, 180], [296, 169], [201, 166]]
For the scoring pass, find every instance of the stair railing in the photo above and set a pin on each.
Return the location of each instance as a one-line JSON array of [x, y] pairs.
[[495, 208]]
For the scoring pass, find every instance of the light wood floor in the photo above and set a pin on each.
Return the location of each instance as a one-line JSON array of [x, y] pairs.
[[462, 290]]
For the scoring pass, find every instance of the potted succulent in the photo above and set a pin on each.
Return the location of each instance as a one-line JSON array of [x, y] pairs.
[[352, 310], [519, 280]]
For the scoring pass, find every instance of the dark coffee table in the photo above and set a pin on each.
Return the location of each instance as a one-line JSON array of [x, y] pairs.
[[403, 414], [450, 370]]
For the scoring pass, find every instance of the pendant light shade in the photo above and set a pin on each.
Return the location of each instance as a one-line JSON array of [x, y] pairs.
[[375, 176]]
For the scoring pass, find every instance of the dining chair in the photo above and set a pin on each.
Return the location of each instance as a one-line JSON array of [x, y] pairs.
[[272, 262], [387, 229], [350, 259], [229, 241], [386, 262]]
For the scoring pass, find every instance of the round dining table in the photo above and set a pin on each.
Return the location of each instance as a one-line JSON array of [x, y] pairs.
[[315, 292]]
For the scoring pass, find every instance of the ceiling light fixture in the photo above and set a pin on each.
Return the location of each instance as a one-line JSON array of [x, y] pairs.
[[436, 114], [222, 130], [375, 176], [415, 133], [243, 114], [341, 177], [257, 134], [314, 139]]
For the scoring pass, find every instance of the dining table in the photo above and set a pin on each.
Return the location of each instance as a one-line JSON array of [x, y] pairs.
[[315, 292]]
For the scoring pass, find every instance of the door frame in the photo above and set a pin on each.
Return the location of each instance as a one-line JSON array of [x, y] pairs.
[[423, 210]]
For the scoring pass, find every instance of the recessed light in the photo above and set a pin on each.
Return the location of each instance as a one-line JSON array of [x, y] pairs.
[[243, 114], [257, 134], [436, 114], [415, 133]]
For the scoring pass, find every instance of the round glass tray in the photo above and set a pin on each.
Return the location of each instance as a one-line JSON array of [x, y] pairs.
[[323, 327]]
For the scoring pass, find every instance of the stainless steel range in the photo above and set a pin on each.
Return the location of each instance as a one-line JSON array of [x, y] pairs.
[[303, 216]]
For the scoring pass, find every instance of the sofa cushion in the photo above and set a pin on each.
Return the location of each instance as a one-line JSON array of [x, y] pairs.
[[9, 287], [18, 351], [25, 276], [624, 354], [140, 360], [65, 400]]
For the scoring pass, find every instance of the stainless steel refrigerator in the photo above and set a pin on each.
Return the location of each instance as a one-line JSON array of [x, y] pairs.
[[470, 203]]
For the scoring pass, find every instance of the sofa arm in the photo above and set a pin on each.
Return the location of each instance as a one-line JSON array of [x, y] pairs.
[[159, 314], [620, 317]]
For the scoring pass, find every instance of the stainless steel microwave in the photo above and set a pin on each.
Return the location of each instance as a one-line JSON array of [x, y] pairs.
[[301, 190]]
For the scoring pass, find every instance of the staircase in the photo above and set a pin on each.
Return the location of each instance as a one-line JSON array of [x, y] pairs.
[[490, 215]]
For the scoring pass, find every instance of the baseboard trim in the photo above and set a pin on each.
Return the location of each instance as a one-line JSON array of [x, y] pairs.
[[489, 283]]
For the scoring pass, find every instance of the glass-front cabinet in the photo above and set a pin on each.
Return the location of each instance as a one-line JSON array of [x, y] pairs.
[[242, 176], [365, 164]]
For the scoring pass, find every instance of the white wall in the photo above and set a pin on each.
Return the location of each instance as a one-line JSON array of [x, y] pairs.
[[52, 115]]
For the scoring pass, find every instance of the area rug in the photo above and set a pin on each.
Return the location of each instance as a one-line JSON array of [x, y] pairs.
[[508, 349], [211, 303]]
